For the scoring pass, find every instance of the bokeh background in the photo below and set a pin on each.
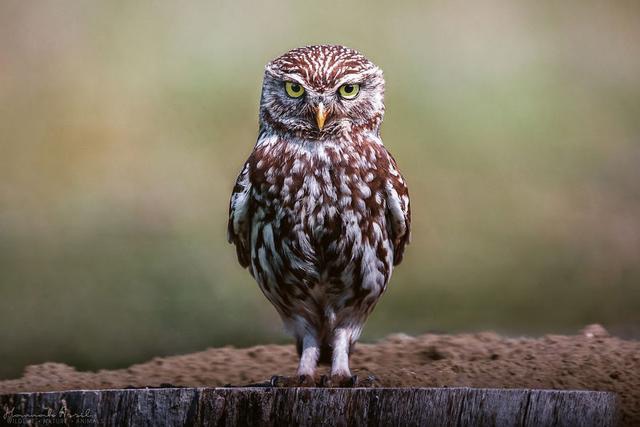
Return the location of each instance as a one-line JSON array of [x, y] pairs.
[[123, 126]]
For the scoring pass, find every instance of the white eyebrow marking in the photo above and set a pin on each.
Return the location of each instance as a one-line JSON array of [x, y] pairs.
[[356, 78], [296, 78]]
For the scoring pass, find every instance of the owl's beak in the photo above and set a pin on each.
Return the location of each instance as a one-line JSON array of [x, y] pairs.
[[321, 115]]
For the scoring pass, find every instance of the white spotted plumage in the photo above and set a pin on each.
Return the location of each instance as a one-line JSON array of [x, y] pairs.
[[320, 213]]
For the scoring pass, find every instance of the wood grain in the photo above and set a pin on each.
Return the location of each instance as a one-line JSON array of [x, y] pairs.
[[313, 406]]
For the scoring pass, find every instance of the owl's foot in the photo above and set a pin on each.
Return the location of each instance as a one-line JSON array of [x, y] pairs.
[[324, 381], [339, 381], [347, 381], [295, 381]]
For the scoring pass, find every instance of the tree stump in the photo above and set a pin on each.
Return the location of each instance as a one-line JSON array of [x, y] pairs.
[[312, 406]]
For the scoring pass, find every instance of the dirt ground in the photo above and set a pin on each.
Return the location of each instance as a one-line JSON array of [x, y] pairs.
[[590, 360]]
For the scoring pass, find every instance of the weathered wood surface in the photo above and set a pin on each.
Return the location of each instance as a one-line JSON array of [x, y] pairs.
[[312, 406]]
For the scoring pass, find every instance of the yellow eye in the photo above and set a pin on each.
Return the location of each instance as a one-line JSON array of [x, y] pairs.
[[349, 91], [294, 90]]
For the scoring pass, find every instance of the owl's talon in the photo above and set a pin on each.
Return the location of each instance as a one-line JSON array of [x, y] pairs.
[[274, 381], [306, 381], [352, 382], [282, 381], [344, 381], [295, 381], [324, 381]]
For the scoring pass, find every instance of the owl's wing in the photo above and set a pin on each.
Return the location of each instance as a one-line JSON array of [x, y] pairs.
[[398, 211], [239, 227]]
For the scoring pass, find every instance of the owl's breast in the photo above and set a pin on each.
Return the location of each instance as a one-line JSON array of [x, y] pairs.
[[325, 204], [318, 230]]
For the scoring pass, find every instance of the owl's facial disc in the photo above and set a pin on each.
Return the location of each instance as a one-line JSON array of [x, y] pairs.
[[319, 92]]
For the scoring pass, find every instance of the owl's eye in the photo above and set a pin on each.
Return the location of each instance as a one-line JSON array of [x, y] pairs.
[[349, 91], [294, 90]]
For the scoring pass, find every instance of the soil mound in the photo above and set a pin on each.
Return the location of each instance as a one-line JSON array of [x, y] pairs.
[[591, 360]]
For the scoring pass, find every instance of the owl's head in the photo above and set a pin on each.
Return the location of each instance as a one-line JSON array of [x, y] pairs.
[[315, 92]]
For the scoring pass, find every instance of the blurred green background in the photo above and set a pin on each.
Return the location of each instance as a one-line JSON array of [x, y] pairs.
[[123, 126]]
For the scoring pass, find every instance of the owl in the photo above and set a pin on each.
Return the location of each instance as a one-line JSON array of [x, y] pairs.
[[319, 214]]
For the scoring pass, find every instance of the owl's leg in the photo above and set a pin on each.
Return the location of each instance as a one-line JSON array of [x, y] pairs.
[[309, 356], [340, 372]]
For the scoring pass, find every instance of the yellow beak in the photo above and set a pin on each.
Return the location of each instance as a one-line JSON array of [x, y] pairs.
[[321, 115]]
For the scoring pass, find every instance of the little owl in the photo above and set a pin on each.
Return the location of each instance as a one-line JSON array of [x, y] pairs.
[[320, 212]]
